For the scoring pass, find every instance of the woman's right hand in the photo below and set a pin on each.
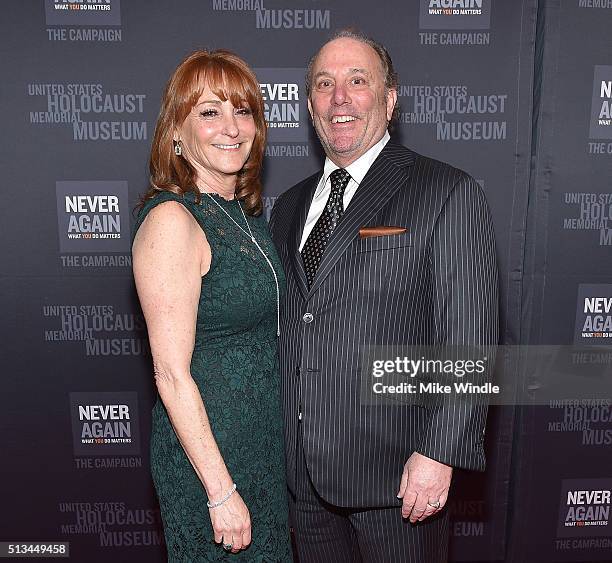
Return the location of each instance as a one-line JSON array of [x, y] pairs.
[[231, 523]]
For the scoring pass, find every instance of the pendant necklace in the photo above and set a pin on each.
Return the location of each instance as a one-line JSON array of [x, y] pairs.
[[249, 234]]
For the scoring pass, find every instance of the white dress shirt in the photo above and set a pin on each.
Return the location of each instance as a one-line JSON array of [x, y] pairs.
[[357, 170]]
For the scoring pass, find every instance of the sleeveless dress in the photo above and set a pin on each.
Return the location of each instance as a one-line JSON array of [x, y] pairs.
[[235, 367]]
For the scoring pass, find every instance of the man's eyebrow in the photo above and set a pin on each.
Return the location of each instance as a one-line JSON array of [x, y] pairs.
[[351, 71]]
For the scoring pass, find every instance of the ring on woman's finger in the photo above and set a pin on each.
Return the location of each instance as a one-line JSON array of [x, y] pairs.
[[228, 546]]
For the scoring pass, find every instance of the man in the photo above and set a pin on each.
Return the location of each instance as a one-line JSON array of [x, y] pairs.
[[383, 246]]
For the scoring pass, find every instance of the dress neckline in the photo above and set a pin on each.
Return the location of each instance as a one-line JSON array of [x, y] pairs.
[[216, 196], [216, 199]]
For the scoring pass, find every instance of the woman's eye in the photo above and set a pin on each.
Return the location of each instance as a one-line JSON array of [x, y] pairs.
[[243, 111], [208, 113]]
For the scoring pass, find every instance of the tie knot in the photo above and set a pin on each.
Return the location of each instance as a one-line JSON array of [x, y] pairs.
[[339, 180]]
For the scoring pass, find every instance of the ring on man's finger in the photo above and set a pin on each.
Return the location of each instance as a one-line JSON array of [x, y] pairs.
[[435, 505]]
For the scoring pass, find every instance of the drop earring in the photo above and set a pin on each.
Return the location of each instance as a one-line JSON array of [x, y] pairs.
[[178, 149]]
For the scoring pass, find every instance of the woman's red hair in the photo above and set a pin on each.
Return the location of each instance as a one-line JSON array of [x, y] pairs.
[[229, 77]]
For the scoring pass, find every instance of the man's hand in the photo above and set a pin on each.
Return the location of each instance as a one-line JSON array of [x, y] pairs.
[[425, 482]]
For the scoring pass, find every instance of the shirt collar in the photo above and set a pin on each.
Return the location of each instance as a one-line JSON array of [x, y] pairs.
[[357, 169]]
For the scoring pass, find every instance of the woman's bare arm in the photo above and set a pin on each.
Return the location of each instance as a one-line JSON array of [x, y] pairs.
[[170, 254]]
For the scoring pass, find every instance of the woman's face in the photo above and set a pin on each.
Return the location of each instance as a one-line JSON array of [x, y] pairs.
[[217, 137]]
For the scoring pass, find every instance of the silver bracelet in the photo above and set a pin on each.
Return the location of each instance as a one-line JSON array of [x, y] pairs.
[[224, 499]]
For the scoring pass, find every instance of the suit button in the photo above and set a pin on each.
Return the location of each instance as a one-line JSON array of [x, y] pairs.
[[307, 318]]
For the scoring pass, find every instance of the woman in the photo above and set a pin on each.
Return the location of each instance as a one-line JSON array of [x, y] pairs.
[[209, 282]]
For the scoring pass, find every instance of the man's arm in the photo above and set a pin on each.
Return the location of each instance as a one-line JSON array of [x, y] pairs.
[[273, 215], [464, 275]]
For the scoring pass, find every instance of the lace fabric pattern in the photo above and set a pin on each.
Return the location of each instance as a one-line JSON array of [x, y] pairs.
[[235, 367]]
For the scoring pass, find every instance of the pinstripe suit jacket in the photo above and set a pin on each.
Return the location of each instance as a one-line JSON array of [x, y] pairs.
[[434, 284]]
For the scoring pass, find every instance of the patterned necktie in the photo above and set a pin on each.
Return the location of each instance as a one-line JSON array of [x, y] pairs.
[[324, 227]]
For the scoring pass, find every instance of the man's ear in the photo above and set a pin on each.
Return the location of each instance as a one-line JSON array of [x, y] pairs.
[[391, 101]]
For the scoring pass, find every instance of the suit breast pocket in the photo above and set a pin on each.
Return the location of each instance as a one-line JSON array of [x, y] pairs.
[[376, 258], [385, 242]]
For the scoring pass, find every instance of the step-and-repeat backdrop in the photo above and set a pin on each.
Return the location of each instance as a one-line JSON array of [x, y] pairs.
[[518, 93]]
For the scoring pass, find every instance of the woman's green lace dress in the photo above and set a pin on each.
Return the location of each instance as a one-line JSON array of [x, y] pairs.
[[235, 366]]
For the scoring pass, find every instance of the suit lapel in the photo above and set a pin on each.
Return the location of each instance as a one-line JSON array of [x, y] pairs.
[[297, 228], [389, 171]]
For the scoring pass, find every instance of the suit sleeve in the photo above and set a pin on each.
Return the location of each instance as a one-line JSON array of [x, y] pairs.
[[273, 217], [466, 313]]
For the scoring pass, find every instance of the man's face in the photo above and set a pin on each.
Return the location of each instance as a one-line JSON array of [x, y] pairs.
[[347, 101]]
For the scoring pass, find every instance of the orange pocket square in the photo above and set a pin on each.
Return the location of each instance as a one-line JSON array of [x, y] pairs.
[[380, 231]]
